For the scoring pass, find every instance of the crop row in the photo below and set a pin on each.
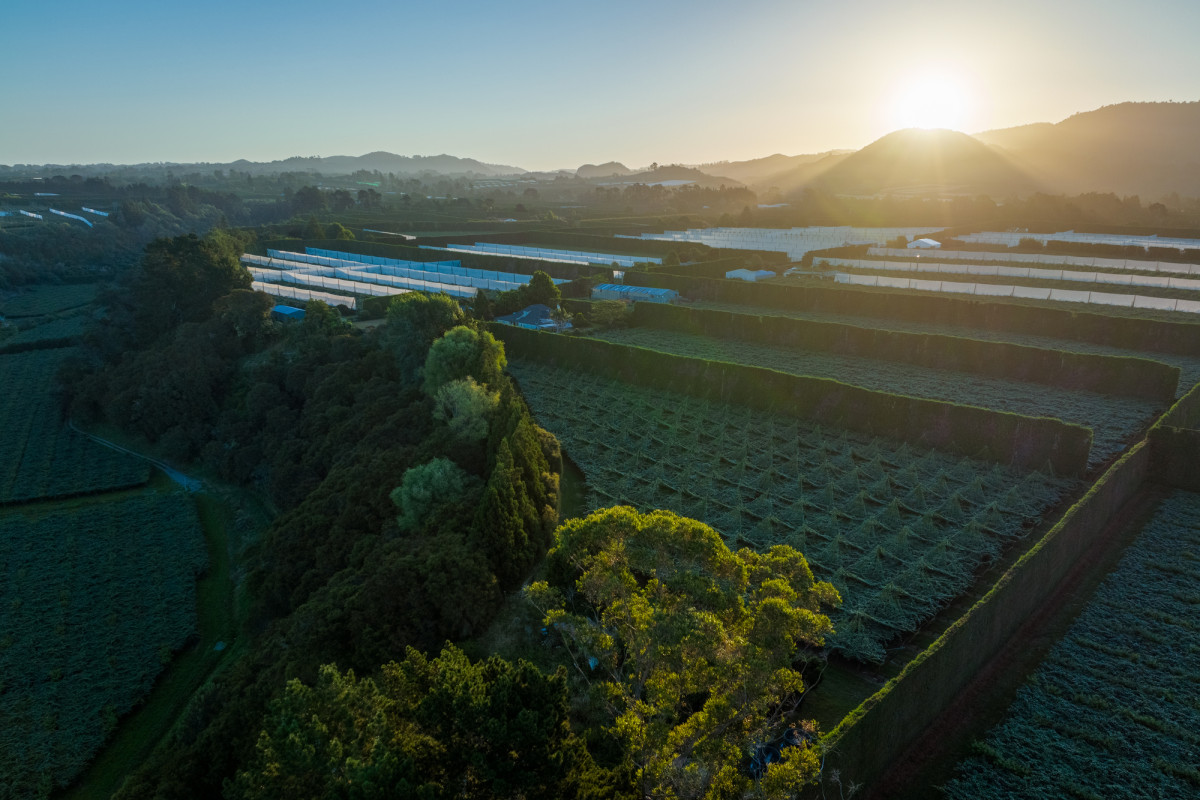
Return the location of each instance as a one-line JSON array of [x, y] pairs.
[[1112, 418], [898, 531], [1114, 711], [92, 603], [40, 456]]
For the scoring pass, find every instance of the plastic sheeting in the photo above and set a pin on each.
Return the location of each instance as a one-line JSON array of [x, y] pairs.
[[1042, 258], [296, 293], [1025, 292]]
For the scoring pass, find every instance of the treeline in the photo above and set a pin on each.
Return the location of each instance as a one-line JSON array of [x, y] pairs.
[[1120, 375], [413, 486]]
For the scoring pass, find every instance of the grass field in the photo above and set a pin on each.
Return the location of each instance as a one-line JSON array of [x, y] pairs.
[[1189, 367], [47, 300], [95, 597], [57, 330], [1112, 419], [1114, 711], [40, 457], [899, 532]]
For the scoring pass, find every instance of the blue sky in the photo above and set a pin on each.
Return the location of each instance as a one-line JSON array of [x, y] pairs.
[[544, 85]]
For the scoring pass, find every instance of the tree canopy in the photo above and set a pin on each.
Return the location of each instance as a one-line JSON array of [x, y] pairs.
[[692, 645]]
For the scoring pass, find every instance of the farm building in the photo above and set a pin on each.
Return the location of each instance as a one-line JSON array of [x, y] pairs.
[[924, 244], [620, 291], [750, 274], [284, 313], [536, 317]]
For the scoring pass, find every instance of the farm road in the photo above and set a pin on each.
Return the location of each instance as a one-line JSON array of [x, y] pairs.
[[187, 482]]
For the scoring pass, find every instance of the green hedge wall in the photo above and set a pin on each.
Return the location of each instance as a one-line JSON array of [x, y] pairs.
[[1025, 442], [1135, 377], [876, 733], [1135, 333]]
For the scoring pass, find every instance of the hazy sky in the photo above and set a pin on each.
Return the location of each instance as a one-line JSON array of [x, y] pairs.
[[555, 84]]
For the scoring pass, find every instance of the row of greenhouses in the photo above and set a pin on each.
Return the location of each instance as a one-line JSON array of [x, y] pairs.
[[795, 242], [1125, 264], [442, 268], [1025, 292], [546, 254], [1031, 273], [297, 293], [1014, 238], [386, 276]]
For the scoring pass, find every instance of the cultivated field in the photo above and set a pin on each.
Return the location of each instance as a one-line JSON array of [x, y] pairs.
[[94, 599], [899, 532], [40, 457], [47, 300], [1114, 711], [1112, 419], [1189, 365]]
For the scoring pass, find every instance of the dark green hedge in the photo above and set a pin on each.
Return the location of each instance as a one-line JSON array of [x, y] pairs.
[[1025, 442], [872, 736], [1134, 377], [1135, 333], [1185, 413]]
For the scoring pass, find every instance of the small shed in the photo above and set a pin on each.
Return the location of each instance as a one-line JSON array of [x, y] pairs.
[[646, 294], [750, 274], [924, 244], [284, 313], [536, 317]]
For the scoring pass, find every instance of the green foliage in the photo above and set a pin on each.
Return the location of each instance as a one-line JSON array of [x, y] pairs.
[[91, 600], [898, 532], [1118, 695], [426, 488], [321, 319], [691, 643], [415, 320], [41, 300], [607, 314], [466, 408], [540, 289], [180, 278], [464, 352], [429, 728]]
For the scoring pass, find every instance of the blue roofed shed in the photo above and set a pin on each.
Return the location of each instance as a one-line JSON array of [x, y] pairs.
[[535, 317], [284, 313]]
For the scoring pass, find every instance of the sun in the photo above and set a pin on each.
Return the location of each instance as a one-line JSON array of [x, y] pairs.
[[936, 99]]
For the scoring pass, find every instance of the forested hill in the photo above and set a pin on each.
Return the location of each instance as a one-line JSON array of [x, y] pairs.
[[1148, 149]]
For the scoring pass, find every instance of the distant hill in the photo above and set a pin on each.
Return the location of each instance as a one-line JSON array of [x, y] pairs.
[[382, 162], [1149, 149], [331, 165], [760, 170], [673, 175], [605, 170], [914, 162]]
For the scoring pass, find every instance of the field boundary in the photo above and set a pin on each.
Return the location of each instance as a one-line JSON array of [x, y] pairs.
[[871, 737], [1129, 332], [1024, 442], [1121, 375]]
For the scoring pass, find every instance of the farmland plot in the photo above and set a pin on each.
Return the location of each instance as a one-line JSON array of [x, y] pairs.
[[59, 330], [899, 532], [1114, 711], [1111, 418], [47, 300], [1189, 366], [93, 601], [40, 457]]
